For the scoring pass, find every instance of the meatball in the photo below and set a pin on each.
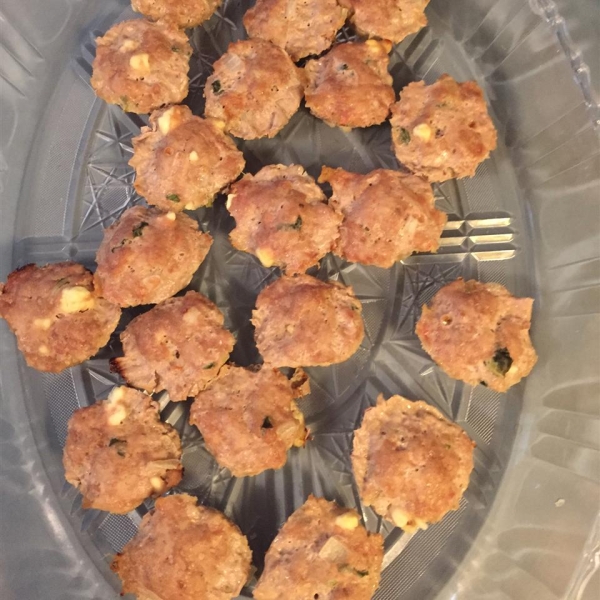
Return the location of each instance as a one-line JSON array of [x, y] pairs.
[[118, 452], [322, 551], [179, 13], [56, 314], [178, 346], [182, 161], [302, 321], [300, 28], [249, 419], [255, 89], [410, 463], [147, 256], [479, 333], [387, 19], [388, 215], [282, 217], [141, 66], [184, 552], [350, 86], [443, 130]]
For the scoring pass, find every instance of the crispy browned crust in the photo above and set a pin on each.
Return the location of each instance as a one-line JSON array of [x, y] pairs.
[[388, 215], [322, 551], [255, 89], [302, 321], [410, 463], [147, 256], [184, 552], [249, 419], [300, 28], [479, 332], [350, 85], [51, 337], [282, 217], [118, 452], [443, 130], [186, 166], [161, 76], [179, 13], [178, 346], [387, 19]]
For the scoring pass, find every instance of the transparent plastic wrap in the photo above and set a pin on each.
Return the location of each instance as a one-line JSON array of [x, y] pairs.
[[527, 526]]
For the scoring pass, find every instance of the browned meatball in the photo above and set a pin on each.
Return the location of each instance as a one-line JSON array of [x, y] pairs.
[[411, 464], [118, 452], [183, 161], [178, 346], [388, 215], [179, 13], [479, 332], [443, 130], [282, 217], [249, 419], [324, 552], [255, 89], [387, 19], [184, 552], [350, 86], [147, 256], [141, 66], [301, 321], [300, 28], [56, 314]]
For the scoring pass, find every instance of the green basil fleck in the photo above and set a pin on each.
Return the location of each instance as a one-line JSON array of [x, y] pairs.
[[404, 135], [350, 569], [297, 225], [209, 365], [173, 198], [501, 362], [120, 445], [62, 282], [175, 49], [137, 231], [216, 86]]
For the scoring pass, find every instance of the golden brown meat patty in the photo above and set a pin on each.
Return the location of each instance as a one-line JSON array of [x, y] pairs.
[[118, 452], [300, 28], [249, 419], [443, 130], [141, 66], [350, 86], [388, 215], [184, 552], [411, 464], [387, 19], [183, 161], [282, 217], [56, 314], [322, 551], [479, 332], [177, 346], [302, 321], [179, 13], [148, 256], [255, 89]]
